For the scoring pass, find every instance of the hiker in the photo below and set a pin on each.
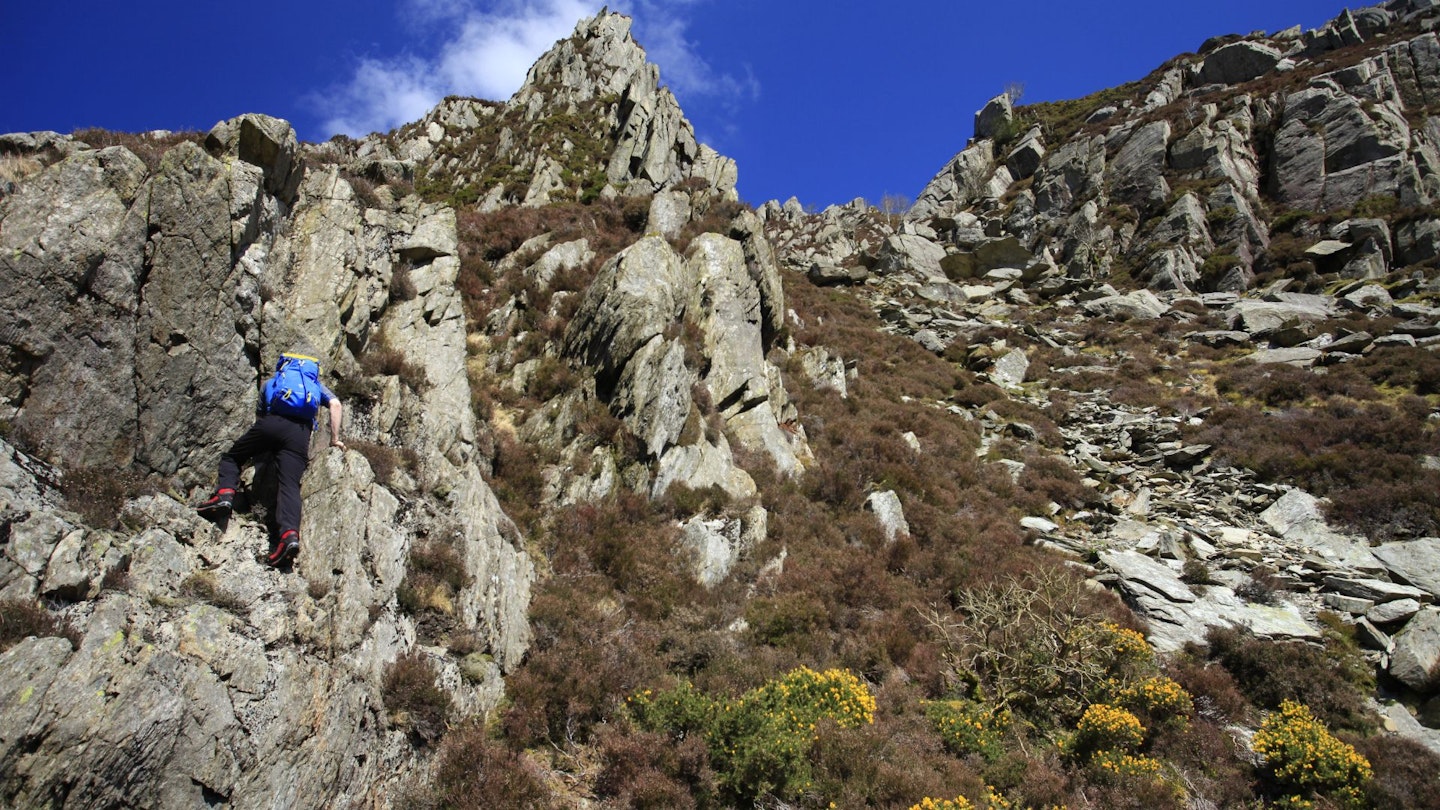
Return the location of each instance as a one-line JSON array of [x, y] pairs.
[[286, 417]]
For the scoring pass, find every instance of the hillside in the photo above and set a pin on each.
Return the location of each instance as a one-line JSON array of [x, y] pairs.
[[1103, 476]]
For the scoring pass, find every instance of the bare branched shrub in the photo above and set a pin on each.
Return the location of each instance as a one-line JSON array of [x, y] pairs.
[[1038, 644]]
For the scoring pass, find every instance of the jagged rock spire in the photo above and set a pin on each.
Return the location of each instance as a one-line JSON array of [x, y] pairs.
[[591, 119]]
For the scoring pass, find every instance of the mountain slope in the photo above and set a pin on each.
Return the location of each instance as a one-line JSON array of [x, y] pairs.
[[657, 500]]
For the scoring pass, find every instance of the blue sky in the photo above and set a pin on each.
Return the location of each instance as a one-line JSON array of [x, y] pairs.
[[824, 101]]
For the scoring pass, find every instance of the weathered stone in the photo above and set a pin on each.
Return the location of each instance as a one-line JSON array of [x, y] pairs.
[[1140, 304], [1416, 562], [1395, 611], [889, 513], [997, 112], [911, 254], [1009, 370], [1416, 659], [701, 466], [1238, 62]]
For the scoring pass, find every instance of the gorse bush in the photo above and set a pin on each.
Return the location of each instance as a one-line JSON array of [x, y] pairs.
[[1107, 728], [760, 743], [968, 727], [1303, 759], [1159, 699], [957, 803], [990, 799]]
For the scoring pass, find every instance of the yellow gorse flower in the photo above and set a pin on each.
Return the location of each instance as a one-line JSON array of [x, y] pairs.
[[1305, 757]]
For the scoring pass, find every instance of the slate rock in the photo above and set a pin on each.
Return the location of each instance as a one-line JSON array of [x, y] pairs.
[[1416, 562], [1416, 659]]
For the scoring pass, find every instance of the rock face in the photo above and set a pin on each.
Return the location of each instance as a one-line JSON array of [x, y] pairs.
[[142, 308], [635, 321], [1322, 141], [145, 291]]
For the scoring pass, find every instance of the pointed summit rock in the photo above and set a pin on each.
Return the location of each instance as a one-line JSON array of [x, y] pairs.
[[591, 120]]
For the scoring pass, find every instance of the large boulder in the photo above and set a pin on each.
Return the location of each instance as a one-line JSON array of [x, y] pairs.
[[1416, 562], [1238, 62], [1416, 659]]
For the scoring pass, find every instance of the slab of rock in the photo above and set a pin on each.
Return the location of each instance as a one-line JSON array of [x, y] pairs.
[[1416, 660], [1301, 356], [1396, 611], [1239, 62], [1376, 590], [1140, 304], [1416, 562], [1138, 571]]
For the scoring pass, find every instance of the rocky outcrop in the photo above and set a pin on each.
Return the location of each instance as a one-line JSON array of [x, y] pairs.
[[592, 119], [724, 299], [144, 306], [1256, 118]]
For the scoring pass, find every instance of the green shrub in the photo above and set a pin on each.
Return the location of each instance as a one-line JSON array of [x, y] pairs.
[[1303, 759], [968, 727], [760, 743], [1376, 206]]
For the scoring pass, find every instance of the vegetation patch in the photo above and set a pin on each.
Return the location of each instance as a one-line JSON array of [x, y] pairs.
[[23, 618]]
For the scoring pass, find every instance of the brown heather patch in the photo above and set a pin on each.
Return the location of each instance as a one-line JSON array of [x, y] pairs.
[[96, 493], [473, 771], [148, 148], [414, 701], [1365, 457], [1332, 680], [22, 618], [643, 769], [1404, 771]]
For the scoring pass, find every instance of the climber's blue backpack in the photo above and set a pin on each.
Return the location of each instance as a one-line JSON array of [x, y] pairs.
[[294, 390]]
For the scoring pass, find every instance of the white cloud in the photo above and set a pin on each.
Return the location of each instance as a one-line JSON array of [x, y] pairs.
[[661, 30], [485, 49]]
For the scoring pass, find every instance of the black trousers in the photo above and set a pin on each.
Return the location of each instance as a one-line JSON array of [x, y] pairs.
[[290, 442]]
